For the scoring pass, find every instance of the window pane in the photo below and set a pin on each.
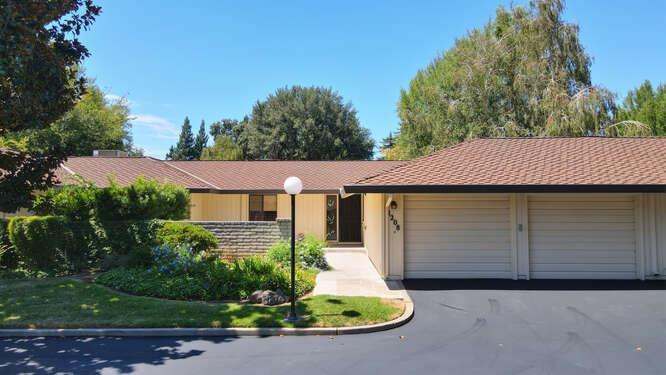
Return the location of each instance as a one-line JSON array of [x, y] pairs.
[[256, 203], [270, 202]]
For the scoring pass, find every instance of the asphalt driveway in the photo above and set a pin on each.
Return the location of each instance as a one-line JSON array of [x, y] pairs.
[[460, 327]]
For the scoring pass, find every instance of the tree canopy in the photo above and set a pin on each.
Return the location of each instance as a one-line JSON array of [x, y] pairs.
[[646, 106], [95, 123], [39, 82], [305, 123], [525, 73]]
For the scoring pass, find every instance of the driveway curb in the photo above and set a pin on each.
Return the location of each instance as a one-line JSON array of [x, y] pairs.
[[198, 332]]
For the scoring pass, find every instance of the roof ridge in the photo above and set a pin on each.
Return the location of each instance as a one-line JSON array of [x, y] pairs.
[[189, 174]]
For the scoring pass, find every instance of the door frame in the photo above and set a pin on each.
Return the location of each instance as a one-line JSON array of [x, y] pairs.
[[337, 220]]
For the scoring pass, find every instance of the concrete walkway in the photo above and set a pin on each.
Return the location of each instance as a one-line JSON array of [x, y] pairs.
[[354, 275]]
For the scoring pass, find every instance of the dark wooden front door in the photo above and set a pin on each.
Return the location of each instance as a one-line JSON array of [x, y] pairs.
[[350, 219]]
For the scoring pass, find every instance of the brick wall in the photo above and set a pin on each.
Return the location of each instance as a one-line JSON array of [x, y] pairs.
[[242, 238]]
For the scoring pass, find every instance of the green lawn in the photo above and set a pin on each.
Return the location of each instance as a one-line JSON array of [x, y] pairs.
[[70, 303]]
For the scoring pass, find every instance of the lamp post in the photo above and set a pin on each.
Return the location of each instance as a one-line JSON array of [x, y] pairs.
[[293, 185]]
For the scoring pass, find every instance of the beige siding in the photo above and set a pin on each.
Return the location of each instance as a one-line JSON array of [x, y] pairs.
[[582, 236], [218, 207], [310, 213], [660, 225], [457, 236], [373, 230]]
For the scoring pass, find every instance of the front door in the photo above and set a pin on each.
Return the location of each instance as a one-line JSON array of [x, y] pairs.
[[350, 219]]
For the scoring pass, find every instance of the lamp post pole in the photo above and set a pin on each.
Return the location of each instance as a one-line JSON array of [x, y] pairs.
[[292, 317], [293, 186]]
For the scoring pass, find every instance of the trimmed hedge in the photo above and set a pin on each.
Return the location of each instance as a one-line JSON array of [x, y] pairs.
[[111, 226], [42, 243], [177, 234]]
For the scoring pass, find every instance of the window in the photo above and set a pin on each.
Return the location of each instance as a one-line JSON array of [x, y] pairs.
[[331, 218], [263, 207]]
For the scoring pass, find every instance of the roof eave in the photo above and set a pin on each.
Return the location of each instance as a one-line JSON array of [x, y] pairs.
[[596, 188]]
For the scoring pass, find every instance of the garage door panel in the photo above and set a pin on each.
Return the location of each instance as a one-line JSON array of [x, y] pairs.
[[573, 227], [454, 226], [446, 236], [582, 237]]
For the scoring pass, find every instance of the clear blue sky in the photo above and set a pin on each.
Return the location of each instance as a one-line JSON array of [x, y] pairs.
[[214, 59]]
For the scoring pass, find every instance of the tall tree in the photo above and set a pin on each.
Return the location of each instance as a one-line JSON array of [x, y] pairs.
[[306, 123], [387, 148], [200, 141], [647, 107], [525, 73], [39, 54], [95, 123], [184, 149]]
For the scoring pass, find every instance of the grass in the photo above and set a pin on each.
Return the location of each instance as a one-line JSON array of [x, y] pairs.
[[71, 303]]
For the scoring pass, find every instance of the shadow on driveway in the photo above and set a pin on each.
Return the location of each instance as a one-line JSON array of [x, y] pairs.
[[498, 284], [38, 355]]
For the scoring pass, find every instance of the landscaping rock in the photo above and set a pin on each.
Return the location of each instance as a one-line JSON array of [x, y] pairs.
[[268, 297]]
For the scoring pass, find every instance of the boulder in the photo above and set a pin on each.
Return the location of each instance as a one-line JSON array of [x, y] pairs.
[[268, 297]]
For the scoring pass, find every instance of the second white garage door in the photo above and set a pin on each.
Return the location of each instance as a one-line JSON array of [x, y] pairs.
[[582, 237], [457, 236]]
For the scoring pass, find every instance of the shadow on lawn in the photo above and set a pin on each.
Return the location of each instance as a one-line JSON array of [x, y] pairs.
[[92, 355]]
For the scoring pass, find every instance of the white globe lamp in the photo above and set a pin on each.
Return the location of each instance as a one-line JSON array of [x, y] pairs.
[[293, 185]]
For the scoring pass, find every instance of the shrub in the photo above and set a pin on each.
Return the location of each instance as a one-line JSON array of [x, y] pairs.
[[128, 243], [152, 283], [8, 257], [178, 274], [41, 242], [75, 202], [309, 253], [142, 200], [176, 234]]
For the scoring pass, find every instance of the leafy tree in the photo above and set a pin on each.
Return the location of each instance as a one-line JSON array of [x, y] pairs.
[[235, 146], [39, 55], [306, 123], [647, 107], [223, 149], [95, 124], [201, 140], [525, 73], [184, 149]]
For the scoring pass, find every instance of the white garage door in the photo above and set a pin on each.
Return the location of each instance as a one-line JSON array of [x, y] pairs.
[[582, 237], [456, 236]]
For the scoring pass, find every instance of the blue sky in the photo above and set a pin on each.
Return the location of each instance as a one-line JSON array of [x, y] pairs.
[[214, 59]]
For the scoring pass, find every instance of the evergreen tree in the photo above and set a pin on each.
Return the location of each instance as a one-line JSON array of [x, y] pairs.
[[184, 149], [200, 141]]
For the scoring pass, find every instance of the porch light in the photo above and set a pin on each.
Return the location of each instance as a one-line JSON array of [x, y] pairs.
[[292, 186]]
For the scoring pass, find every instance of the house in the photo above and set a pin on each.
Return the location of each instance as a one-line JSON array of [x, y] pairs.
[[250, 190], [515, 208]]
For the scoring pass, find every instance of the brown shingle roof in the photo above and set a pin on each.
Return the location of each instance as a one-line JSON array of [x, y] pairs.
[[270, 175], [124, 170], [225, 176], [514, 164]]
